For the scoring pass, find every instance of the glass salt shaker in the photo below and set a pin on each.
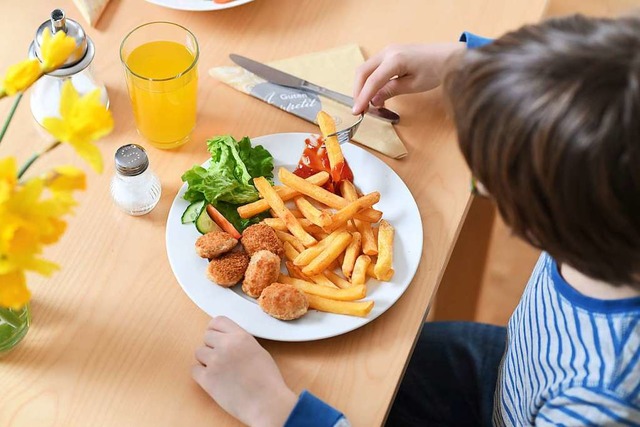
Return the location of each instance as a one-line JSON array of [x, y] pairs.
[[45, 94], [134, 187]]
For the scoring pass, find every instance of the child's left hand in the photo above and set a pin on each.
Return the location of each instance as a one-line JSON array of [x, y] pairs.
[[241, 376]]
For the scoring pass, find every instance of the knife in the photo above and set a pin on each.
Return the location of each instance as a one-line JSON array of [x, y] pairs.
[[283, 79]]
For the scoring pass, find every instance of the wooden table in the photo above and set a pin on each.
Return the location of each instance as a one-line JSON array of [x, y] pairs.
[[113, 334]]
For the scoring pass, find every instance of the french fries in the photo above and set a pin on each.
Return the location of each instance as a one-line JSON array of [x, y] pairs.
[[350, 294], [332, 244], [334, 153], [285, 193], [329, 254], [359, 276], [385, 249], [351, 254], [349, 211], [352, 308], [276, 203], [322, 195], [313, 214]]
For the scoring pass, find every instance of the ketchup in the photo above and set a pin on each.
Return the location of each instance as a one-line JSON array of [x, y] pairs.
[[314, 159]]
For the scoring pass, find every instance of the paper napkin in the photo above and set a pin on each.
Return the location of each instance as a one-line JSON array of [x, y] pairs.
[[91, 9], [333, 69]]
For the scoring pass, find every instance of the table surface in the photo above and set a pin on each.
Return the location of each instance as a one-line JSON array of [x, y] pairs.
[[113, 333]]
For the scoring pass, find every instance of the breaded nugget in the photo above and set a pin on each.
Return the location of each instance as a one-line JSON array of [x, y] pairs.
[[260, 236], [228, 269], [214, 244], [263, 270], [283, 302]]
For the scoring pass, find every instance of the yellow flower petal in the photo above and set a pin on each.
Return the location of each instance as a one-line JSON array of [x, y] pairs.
[[56, 50], [84, 120], [66, 179], [13, 292], [90, 153], [8, 177], [21, 75]]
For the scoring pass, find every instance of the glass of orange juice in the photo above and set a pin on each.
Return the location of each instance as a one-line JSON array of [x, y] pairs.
[[161, 69]]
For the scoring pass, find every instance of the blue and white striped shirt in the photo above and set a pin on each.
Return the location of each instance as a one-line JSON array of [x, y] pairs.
[[571, 360]]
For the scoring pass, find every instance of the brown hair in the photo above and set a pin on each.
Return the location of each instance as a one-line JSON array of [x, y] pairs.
[[548, 119]]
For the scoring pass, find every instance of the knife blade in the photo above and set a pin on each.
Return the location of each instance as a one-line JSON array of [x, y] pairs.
[[281, 78]]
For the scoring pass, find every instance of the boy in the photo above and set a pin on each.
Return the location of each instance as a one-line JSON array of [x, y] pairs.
[[548, 119]]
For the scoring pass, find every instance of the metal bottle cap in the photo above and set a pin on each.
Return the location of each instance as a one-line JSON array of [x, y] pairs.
[[85, 49], [131, 160]]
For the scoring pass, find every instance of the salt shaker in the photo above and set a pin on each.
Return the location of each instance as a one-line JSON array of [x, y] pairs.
[[134, 187], [45, 94]]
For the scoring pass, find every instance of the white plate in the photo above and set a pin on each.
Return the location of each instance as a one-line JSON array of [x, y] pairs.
[[371, 174], [198, 5]]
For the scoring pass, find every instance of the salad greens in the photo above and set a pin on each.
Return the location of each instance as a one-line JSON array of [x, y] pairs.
[[227, 182]]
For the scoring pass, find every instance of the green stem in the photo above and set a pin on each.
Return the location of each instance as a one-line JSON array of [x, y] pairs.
[[16, 101], [9, 317], [35, 157]]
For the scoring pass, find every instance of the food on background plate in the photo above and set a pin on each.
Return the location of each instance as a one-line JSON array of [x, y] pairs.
[[283, 301], [228, 269], [263, 270], [260, 236], [214, 244]]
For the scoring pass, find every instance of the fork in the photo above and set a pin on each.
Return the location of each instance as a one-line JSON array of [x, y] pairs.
[[346, 134]]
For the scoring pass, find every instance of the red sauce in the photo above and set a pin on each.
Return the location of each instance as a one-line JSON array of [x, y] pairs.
[[314, 159]]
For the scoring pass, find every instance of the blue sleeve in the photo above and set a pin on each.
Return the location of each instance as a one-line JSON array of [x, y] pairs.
[[312, 412], [474, 41]]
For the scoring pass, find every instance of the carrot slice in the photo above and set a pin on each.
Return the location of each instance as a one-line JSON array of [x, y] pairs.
[[222, 222]]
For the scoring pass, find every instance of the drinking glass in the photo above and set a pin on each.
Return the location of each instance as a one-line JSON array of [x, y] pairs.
[[161, 70]]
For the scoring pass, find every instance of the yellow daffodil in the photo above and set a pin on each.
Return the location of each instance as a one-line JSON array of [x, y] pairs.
[[55, 50], [13, 292], [21, 75], [8, 177], [83, 120]]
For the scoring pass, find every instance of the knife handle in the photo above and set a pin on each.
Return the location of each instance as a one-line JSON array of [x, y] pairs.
[[382, 113]]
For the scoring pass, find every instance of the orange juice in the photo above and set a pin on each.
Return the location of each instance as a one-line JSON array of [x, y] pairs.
[[162, 78]]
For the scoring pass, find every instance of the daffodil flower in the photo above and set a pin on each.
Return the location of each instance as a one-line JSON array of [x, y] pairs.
[[56, 49], [84, 119], [13, 292], [21, 75]]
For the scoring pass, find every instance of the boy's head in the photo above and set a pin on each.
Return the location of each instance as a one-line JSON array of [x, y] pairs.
[[548, 119]]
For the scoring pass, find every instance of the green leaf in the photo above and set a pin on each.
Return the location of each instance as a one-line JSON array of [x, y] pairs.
[[231, 213]]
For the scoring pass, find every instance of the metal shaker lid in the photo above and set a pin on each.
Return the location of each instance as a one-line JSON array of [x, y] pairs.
[[80, 58], [131, 160]]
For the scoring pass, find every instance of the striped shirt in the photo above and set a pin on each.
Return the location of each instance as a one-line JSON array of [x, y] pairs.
[[571, 360]]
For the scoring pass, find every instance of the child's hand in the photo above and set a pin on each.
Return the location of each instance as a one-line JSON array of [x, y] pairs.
[[418, 68], [241, 376]]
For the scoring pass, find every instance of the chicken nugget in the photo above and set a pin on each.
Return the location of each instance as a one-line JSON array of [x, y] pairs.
[[283, 301], [263, 270], [260, 236], [214, 244], [228, 269]]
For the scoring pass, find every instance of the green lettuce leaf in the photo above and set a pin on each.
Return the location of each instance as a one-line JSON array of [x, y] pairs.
[[227, 182]]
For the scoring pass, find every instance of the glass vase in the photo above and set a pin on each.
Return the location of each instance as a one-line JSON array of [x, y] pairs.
[[14, 325]]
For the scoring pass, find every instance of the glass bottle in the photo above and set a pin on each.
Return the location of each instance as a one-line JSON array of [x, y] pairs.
[[45, 93], [134, 187]]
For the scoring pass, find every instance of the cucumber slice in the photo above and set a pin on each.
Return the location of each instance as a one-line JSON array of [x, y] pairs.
[[204, 223], [192, 212]]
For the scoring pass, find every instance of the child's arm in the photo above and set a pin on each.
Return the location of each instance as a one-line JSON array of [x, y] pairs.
[[244, 380], [418, 68], [582, 406]]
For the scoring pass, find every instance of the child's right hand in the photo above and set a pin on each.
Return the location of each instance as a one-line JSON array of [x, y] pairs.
[[241, 376], [418, 67]]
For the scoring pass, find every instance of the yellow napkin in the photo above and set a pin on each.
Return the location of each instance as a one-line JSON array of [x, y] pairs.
[[91, 9], [333, 69]]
